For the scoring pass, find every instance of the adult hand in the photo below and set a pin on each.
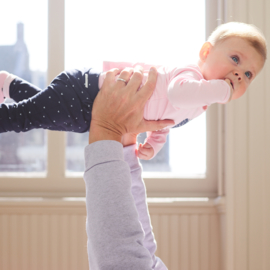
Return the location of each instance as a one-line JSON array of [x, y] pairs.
[[118, 108], [129, 139]]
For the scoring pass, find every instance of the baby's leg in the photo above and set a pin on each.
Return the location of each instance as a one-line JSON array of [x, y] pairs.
[[7, 80], [3, 76], [22, 90], [65, 105], [24, 115]]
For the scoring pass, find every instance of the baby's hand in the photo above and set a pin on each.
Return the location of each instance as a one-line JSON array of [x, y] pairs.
[[229, 83], [145, 151]]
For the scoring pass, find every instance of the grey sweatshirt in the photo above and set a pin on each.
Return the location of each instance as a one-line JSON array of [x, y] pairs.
[[118, 224]]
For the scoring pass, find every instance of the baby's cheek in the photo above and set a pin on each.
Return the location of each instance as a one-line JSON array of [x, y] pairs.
[[239, 93]]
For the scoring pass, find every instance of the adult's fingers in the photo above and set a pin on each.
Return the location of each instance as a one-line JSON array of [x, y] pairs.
[[124, 75], [110, 78], [147, 90], [136, 79]]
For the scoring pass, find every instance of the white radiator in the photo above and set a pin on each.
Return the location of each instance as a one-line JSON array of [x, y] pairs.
[[50, 235]]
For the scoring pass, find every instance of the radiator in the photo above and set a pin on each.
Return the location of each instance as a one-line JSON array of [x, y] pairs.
[[48, 235]]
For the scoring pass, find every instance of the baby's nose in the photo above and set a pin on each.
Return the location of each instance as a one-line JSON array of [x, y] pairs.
[[236, 73]]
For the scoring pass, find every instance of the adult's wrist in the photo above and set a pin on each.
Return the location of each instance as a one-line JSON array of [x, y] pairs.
[[99, 133], [129, 139]]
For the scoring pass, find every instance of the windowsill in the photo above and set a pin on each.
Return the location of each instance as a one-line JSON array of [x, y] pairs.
[[70, 175], [23, 175], [170, 175], [150, 175], [172, 200], [71, 205], [81, 200]]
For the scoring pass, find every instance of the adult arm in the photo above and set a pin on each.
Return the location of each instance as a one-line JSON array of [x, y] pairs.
[[115, 236], [114, 232], [138, 192]]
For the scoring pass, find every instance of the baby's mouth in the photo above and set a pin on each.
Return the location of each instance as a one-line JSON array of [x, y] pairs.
[[231, 84]]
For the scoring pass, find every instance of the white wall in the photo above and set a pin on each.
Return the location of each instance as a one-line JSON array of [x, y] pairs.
[[247, 156], [50, 234]]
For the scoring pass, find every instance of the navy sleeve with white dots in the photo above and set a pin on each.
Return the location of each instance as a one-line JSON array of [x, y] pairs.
[[65, 105]]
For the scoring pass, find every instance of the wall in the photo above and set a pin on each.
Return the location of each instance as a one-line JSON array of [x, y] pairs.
[[247, 156], [50, 234]]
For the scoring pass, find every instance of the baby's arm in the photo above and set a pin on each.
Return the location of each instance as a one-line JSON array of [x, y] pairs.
[[187, 91], [153, 143]]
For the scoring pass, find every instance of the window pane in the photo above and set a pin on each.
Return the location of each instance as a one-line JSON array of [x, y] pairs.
[[123, 30], [23, 52]]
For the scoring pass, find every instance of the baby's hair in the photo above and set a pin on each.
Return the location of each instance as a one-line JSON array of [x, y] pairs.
[[248, 32]]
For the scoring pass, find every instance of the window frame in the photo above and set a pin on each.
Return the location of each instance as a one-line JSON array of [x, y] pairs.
[[56, 183]]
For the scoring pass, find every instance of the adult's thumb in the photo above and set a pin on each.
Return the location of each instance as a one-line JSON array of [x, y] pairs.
[[152, 125]]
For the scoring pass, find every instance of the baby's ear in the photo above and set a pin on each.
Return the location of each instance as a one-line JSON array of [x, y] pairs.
[[205, 50]]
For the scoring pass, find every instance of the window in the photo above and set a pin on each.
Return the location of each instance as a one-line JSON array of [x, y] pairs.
[[21, 53], [75, 33], [168, 38]]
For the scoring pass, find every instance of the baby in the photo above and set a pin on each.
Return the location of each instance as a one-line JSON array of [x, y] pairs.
[[228, 62]]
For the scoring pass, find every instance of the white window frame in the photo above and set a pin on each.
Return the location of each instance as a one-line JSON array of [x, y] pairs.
[[55, 183]]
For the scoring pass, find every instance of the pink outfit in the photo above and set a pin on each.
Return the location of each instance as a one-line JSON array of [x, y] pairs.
[[181, 94]]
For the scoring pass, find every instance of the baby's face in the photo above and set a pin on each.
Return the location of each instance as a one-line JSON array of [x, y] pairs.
[[234, 59]]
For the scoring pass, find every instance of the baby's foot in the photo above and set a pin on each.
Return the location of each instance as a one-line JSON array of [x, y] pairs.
[[3, 76]]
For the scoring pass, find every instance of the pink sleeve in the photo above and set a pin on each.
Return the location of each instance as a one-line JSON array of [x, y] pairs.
[[107, 65], [185, 91], [157, 139]]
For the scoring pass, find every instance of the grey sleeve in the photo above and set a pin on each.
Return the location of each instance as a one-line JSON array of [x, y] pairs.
[[115, 235], [138, 192]]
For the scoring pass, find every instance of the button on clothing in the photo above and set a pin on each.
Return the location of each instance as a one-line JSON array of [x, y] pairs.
[[65, 105]]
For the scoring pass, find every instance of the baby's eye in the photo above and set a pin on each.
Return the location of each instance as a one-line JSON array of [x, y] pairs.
[[235, 59], [248, 74]]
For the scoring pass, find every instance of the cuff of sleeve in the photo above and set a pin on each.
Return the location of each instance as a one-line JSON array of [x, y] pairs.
[[101, 152], [228, 92], [130, 156], [7, 83]]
